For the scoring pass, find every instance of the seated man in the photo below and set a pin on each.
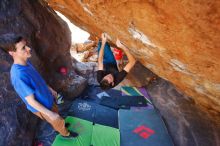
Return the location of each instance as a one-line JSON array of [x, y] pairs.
[[30, 86], [108, 75], [84, 52], [81, 47]]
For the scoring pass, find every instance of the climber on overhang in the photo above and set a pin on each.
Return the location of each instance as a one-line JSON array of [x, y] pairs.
[[30, 86], [108, 74]]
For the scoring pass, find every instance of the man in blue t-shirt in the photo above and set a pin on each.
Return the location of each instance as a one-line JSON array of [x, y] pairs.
[[30, 86]]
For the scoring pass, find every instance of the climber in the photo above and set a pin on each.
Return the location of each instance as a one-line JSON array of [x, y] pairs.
[[30, 86], [108, 75]]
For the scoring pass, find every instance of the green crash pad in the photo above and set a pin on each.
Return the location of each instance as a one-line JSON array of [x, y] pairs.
[[105, 136], [130, 91], [82, 127], [89, 134], [134, 91]]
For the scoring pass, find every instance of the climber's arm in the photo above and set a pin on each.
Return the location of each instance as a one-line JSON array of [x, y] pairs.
[[101, 53], [131, 59]]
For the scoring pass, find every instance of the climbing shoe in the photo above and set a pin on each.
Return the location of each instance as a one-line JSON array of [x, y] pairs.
[[71, 136]]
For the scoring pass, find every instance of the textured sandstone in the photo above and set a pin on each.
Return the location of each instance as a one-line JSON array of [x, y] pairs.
[[177, 40]]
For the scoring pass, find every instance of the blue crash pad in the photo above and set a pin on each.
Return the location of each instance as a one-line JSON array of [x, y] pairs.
[[95, 113], [94, 93], [124, 102], [142, 127]]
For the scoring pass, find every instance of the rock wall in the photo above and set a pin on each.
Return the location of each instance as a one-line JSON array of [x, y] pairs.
[[177, 40], [49, 37], [187, 124]]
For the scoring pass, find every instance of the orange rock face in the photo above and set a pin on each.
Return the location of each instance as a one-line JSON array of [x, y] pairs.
[[177, 40]]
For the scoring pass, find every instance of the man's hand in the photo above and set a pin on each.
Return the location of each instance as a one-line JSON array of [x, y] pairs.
[[39, 107], [104, 38], [53, 92]]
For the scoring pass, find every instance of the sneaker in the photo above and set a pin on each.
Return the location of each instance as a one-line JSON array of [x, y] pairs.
[[59, 99], [71, 136]]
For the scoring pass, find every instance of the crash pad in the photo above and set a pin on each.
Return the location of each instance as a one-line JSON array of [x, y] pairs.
[[128, 90], [82, 109], [124, 102], [142, 127], [135, 91], [95, 93], [89, 134], [105, 136], [94, 113], [82, 127]]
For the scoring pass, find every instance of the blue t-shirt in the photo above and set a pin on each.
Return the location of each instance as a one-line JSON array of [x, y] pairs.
[[27, 81], [108, 57]]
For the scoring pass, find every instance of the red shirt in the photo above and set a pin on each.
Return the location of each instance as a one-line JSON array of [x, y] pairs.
[[118, 54]]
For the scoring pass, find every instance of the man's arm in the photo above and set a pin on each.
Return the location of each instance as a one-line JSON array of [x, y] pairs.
[[131, 59], [101, 53], [35, 104], [53, 92]]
